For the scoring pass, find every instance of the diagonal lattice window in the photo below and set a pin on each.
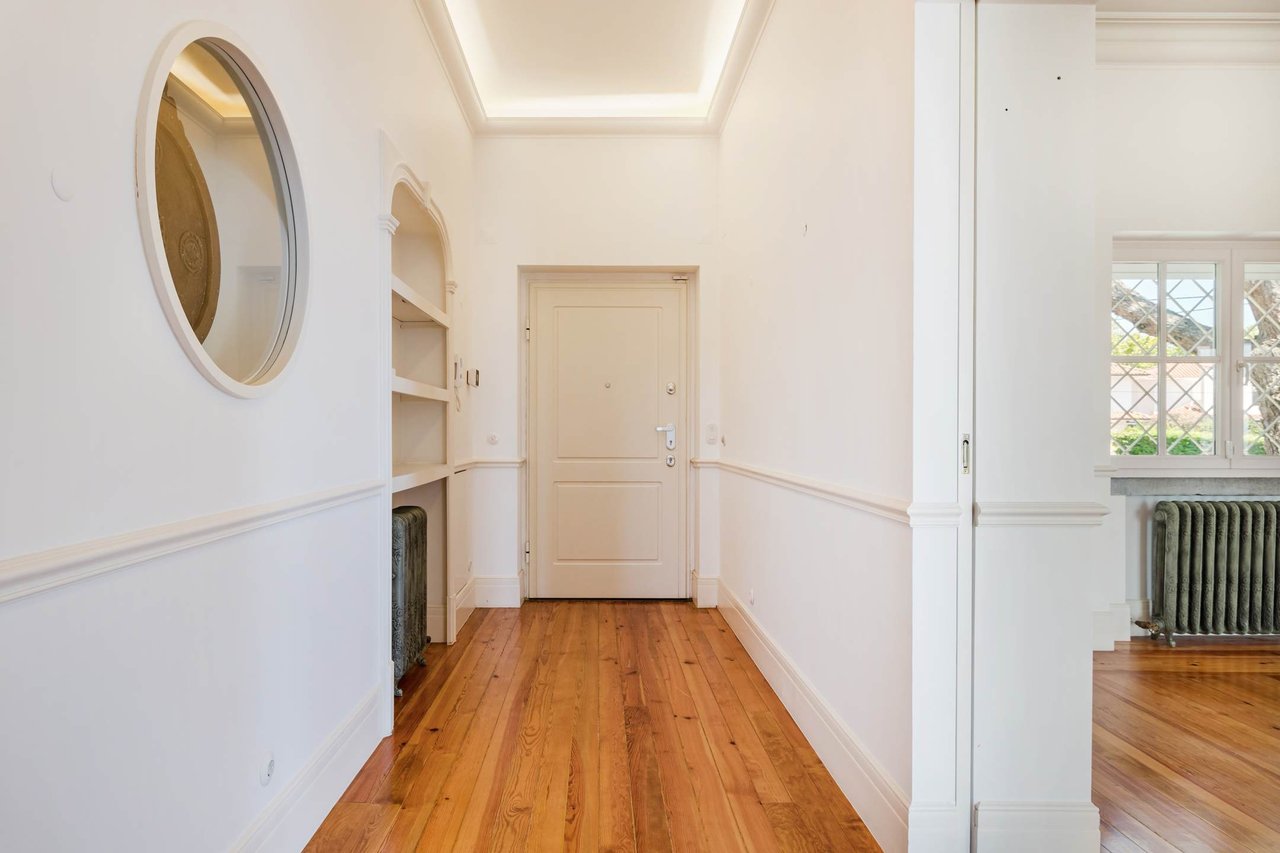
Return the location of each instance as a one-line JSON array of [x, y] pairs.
[[1133, 410], [1189, 422]]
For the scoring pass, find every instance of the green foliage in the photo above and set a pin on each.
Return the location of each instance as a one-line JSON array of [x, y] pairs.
[[1135, 343], [1140, 444]]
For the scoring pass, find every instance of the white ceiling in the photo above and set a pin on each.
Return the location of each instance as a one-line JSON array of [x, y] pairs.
[[594, 60]]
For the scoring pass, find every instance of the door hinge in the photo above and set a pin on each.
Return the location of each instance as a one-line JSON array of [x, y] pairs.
[[526, 553], [527, 333]]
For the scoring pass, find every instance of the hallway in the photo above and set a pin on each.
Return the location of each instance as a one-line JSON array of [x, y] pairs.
[[591, 725]]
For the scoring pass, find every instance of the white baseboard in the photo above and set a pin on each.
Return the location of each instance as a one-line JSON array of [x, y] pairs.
[[878, 800], [436, 625], [938, 827], [1110, 626], [464, 602], [706, 591], [497, 591], [1139, 611], [1046, 827], [289, 820]]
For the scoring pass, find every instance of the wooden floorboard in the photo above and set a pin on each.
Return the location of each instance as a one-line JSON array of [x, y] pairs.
[[1186, 745], [594, 726]]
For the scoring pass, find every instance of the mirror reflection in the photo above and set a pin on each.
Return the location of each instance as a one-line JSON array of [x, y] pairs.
[[224, 217]]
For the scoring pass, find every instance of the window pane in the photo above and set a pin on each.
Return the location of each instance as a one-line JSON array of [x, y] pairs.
[[1190, 291], [1133, 409], [1262, 410], [1189, 428], [1261, 313], [1134, 310]]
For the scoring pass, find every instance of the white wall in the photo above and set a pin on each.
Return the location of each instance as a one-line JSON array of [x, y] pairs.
[[149, 695], [1181, 150], [614, 202], [1035, 448], [816, 365]]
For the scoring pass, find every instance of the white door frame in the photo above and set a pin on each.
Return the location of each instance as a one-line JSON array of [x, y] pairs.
[[593, 276]]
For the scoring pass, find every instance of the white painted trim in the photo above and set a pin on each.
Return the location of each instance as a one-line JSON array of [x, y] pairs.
[[32, 573], [1111, 626], [1203, 39], [935, 514], [706, 591], [440, 32], [497, 591], [437, 622], [894, 509], [934, 827], [879, 801], [1015, 827], [461, 605], [751, 27], [479, 462], [1040, 514], [290, 196], [533, 277], [289, 820], [444, 38], [1139, 611]]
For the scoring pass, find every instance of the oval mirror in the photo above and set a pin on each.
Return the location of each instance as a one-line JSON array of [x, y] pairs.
[[224, 214]]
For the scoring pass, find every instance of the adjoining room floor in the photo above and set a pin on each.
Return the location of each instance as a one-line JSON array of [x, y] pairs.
[[585, 725], [1186, 745]]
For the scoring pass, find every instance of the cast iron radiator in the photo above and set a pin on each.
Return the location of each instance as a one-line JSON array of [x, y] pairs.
[[408, 587], [1215, 567]]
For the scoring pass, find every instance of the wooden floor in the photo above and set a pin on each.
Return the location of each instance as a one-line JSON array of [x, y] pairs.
[[1186, 745], [592, 726]]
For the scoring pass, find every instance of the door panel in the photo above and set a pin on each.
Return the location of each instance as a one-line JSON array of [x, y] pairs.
[[607, 507]]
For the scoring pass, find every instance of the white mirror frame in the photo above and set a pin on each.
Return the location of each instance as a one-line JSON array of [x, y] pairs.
[[149, 220]]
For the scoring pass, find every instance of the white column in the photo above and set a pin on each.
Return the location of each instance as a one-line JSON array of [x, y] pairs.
[[1034, 488]]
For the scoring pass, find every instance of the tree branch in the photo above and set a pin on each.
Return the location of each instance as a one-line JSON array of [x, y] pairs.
[[1145, 316]]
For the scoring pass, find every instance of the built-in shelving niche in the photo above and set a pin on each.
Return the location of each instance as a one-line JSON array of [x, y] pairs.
[[420, 383]]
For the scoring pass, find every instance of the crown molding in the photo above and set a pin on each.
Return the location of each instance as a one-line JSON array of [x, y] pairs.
[[444, 38], [1192, 38]]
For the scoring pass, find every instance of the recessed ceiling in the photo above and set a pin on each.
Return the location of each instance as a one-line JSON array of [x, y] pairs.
[[567, 61]]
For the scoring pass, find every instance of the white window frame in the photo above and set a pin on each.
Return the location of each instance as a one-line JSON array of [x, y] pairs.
[[1229, 454]]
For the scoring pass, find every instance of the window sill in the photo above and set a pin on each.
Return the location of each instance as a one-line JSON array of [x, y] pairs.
[[1199, 468], [1192, 481]]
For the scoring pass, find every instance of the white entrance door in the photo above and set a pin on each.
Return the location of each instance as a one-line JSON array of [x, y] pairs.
[[607, 445]]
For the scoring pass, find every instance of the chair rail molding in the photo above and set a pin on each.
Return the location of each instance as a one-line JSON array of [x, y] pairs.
[[1039, 514], [44, 570], [893, 509], [924, 514]]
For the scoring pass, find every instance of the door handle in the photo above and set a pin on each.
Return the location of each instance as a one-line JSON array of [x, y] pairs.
[[670, 430]]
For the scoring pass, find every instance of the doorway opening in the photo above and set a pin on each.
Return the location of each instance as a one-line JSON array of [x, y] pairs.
[[609, 428]]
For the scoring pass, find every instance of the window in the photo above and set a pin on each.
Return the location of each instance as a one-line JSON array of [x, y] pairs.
[[1195, 355]]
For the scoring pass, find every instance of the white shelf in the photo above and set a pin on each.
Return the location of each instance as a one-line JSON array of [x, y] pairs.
[[410, 306], [406, 475], [421, 390]]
